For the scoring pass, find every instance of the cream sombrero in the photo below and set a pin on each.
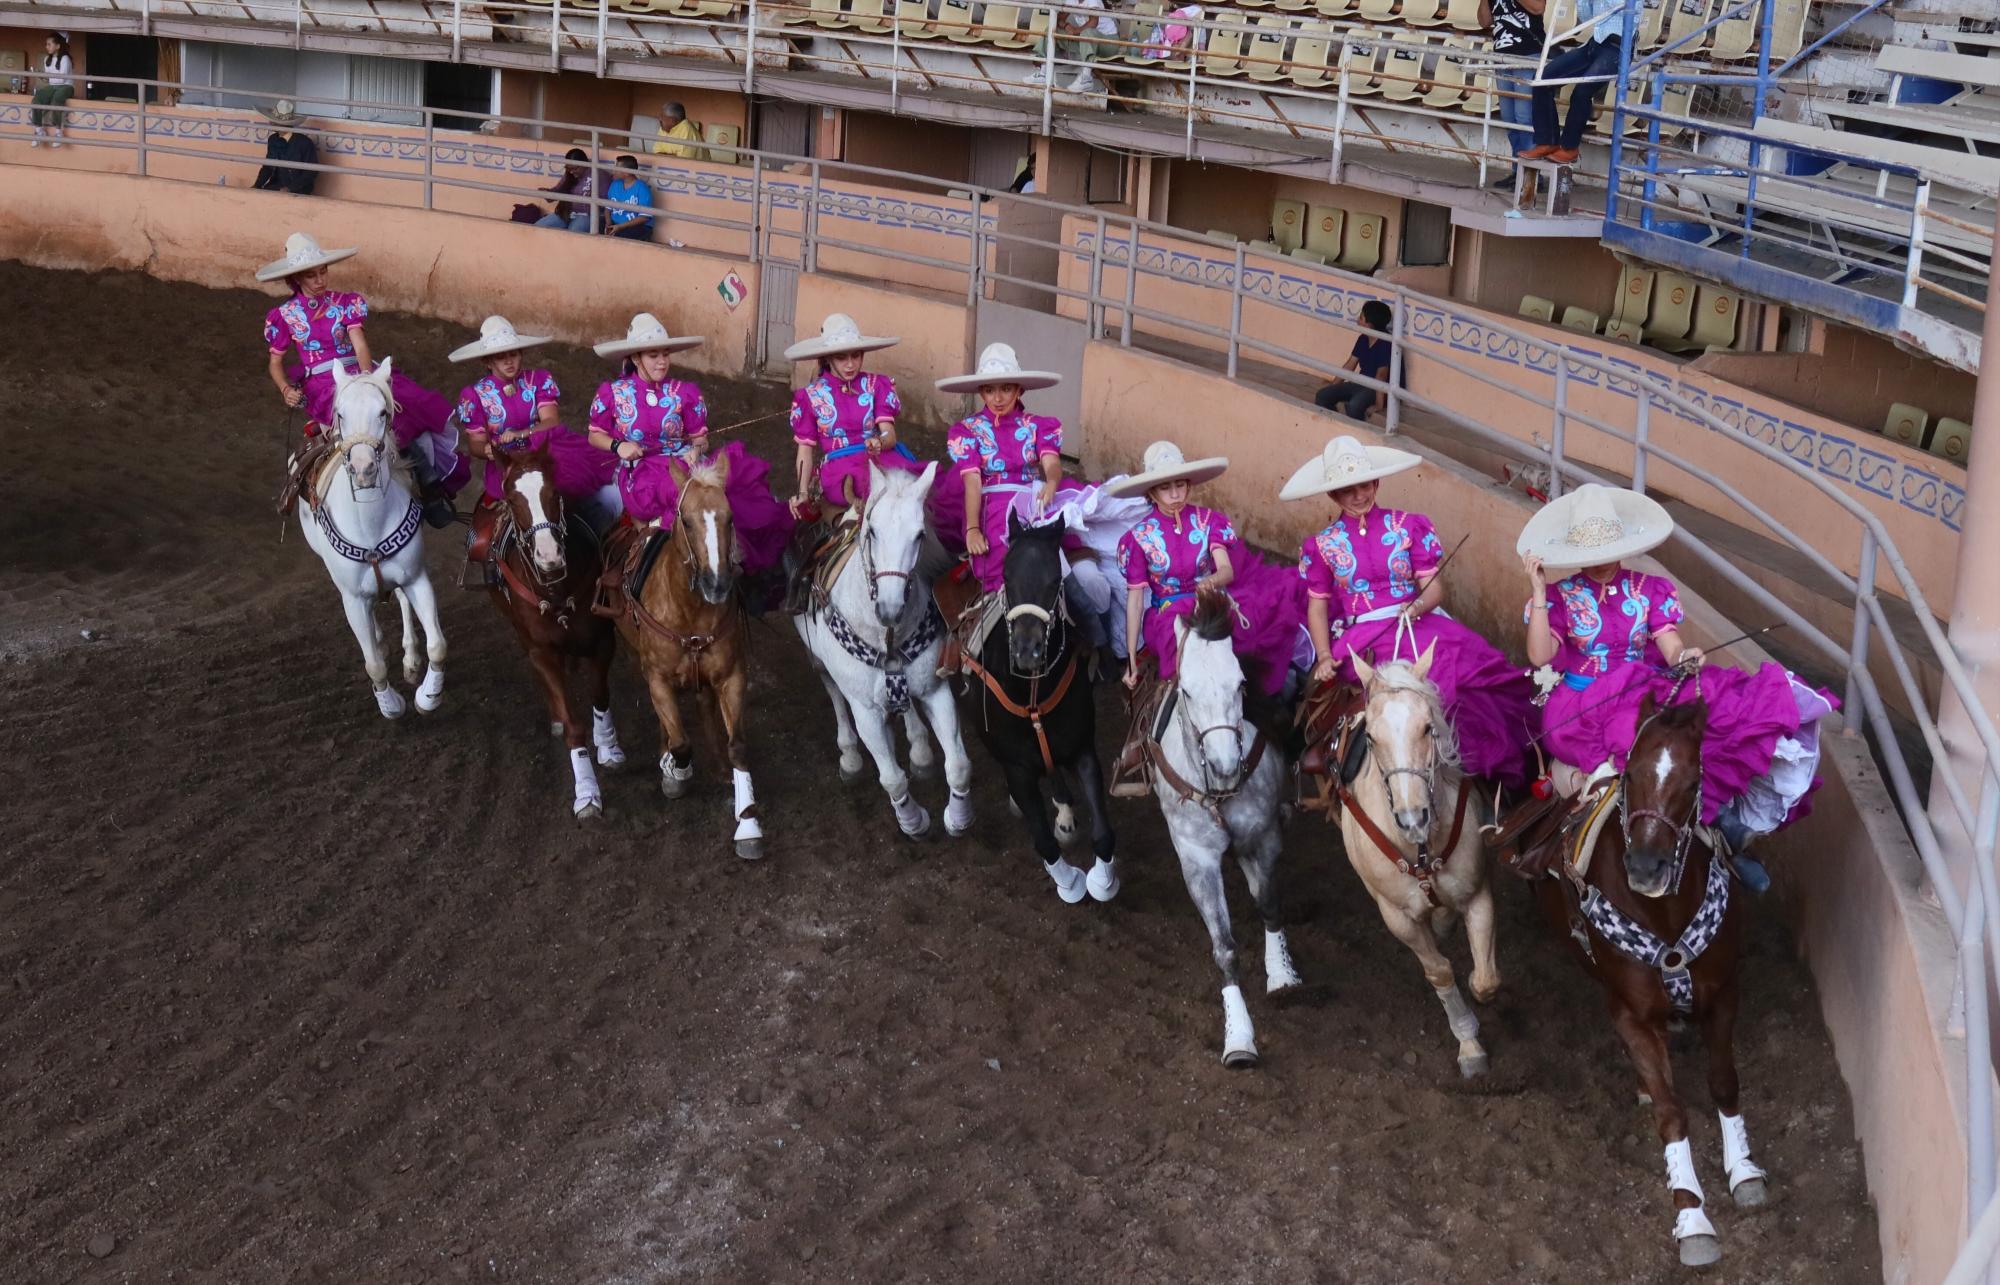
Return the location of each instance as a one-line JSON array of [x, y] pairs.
[[1345, 462], [284, 113], [1594, 525], [1164, 463], [999, 365], [496, 336], [302, 254], [646, 334], [837, 334]]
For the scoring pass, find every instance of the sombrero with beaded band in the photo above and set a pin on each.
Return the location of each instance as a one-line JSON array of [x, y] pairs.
[[838, 334], [496, 336], [1164, 463], [999, 365], [1595, 525], [302, 254], [646, 334], [1345, 462]]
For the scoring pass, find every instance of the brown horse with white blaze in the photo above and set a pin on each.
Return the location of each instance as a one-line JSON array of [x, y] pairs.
[[686, 625], [1652, 918], [548, 565]]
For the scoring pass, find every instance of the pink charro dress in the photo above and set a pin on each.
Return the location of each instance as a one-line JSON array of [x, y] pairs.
[[489, 408], [1168, 555], [317, 326], [1007, 454], [838, 418], [1366, 569], [1762, 740], [664, 419]]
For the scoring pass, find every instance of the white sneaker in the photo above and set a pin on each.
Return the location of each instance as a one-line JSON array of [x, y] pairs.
[[1039, 76], [1069, 880], [1086, 83]]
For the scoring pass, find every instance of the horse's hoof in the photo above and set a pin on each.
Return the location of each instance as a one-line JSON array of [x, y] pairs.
[[750, 849], [588, 809], [428, 705], [673, 787], [1751, 1193], [919, 825], [390, 702], [412, 674], [1700, 1250], [1240, 1059], [1472, 1067], [610, 756]]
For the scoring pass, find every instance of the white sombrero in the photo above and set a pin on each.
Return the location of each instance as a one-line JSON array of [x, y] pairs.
[[1594, 525], [284, 112], [646, 334], [1164, 463], [496, 336], [1346, 462], [837, 334], [302, 254], [999, 365]]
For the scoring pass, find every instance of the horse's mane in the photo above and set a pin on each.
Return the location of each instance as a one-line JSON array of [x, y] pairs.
[[706, 473], [1214, 618], [1401, 676]]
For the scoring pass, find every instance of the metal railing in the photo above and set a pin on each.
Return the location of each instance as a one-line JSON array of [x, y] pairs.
[[798, 200]]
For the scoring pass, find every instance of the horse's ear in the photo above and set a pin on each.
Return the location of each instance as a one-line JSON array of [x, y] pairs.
[[386, 368], [876, 478], [928, 476], [1648, 707], [1424, 661], [678, 470], [1362, 668], [340, 376], [719, 462], [1698, 717], [1014, 527]]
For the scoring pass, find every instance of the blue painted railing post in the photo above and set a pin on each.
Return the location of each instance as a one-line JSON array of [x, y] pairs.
[[1625, 43], [1653, 147], [1757, 114]]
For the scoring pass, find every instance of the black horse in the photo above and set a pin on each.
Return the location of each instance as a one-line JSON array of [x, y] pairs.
[[1032, 703]]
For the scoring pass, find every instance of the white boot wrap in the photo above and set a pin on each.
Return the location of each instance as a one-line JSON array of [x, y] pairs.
[[1070, 882], [1278, 970], [1237, 1033], [1680, 1177], [1736, 1160], [1464, 1022], [747, 825], [581, 768], [604, 735]]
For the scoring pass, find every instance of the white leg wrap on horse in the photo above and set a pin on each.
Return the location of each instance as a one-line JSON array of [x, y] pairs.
[[679, 772], [1736, 1160], [389, 701], [587, 792], [747, 825], [1103, 880], [958, 811], [1464, 1022], [604, 735], [1237, 1033], [1070, 882], [1680, 1171], [911, 818], [1278, 970], [431, 694]]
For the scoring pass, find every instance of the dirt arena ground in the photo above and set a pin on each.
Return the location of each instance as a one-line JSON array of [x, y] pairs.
[[291, 993]]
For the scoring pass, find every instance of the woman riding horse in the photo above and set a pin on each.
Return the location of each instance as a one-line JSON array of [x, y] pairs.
[[655, 422], [1179, 548], [1613, 633], [326, 326], [510, 410], [1372, 590], [844, 418]]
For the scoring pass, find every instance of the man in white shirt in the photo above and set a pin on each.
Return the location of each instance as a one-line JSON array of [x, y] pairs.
[[1597, 56], [1077, 33]]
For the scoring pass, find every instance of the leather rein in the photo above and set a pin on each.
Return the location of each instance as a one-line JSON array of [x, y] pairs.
[[1422, 867], [1036, 707]]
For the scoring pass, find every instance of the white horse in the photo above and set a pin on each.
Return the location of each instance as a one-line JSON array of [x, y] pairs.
[[876, 644], [1411, 825], [368, 529], [1219, 786]]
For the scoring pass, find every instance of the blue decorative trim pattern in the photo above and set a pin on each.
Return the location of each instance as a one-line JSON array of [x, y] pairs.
[[1869, 471]]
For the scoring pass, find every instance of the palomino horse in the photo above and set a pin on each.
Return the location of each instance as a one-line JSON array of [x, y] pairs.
[[1404, 823], [549, 563], [1219, 789], [361, 518], [876, 642], [1035, 710], [1652, 919], [687, 628]]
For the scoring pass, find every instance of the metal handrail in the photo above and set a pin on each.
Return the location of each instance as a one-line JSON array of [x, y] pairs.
[[1972, 913]]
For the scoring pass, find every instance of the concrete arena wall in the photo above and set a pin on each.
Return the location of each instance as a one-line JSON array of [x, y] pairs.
[[1850, 882], [580, 289], [1300, 308]]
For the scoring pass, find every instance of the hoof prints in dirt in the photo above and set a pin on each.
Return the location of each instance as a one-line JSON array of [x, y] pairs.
[[279, 973]]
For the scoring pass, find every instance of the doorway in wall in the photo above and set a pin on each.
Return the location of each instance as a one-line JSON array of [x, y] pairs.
[[137, 57], [458, 88]]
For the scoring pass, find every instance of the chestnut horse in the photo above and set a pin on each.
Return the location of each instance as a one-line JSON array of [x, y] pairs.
[[548, 566], [1652, 918], [686, 625]]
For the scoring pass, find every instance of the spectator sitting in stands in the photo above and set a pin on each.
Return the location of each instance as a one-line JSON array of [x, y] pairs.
[[577, 180], [1175, 33], [674, 124], [284, 149], [1596, 56], [1076, 42], [627, 188], [1371, 358]]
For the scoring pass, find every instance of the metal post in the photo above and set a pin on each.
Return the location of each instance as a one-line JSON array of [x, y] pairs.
[[457, 28], [1978, 1055], [603, 19], [1340, 118], [1235, 309], [757, 212], [146, 17], [895, 65], [809, 252], [1627, 46], [1048, 73], [1093, 310], [430, 154], [1640, 428], [555, 35], [1194, 61], [750, 53], [1486, 130], [1561, 414], [139, 123], [1857, 652], [1915, 265], [975, 277], [1131, 286], [298, 23], [1392, 414]]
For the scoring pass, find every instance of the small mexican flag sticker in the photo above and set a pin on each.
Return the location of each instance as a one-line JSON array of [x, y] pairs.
[[732, 289]]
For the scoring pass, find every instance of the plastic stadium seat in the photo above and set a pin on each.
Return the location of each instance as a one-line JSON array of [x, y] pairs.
[[1536, 308], [1715, 309], [1449, 84], [1423, 13], [1627, 332], [1308, 256], [1687, 17], [1673, 308], [1906, 424], [1463, 15], [1325, 225], [1288, 223], [954, 22], [827, 13], [1266, 55], [1363, 64], [870, 15], [1378, 10], [1225, 53], [1951, 440], [1221, 235], [1333, 8], [1311, 52], [1403, 70], [1004, 27], [1361, 244], [1583, 319], [1271, 248], [913, 19], [1635, 295], [722, 141]]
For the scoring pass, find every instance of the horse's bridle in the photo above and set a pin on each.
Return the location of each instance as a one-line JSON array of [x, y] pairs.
[[1683, 831], [875, 577], [1055, 617], [557, 526], [344, 444], [1197, 741]]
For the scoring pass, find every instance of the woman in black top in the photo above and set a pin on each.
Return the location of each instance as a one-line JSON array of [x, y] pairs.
[[1370, 358]]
